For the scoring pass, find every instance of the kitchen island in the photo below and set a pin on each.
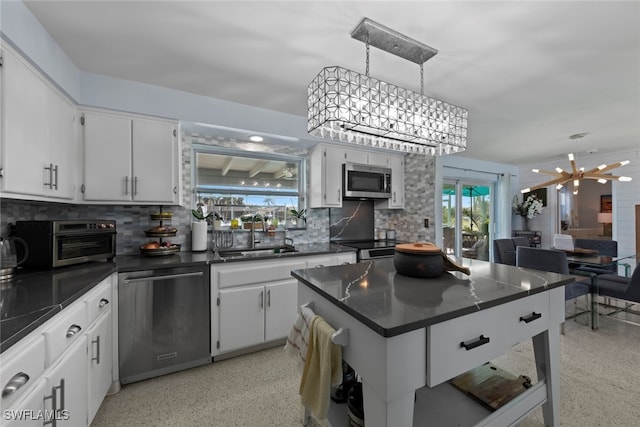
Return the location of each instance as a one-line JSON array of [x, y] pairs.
[[408, 337]]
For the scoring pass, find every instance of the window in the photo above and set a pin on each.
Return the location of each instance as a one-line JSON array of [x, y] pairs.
[[238, 184]]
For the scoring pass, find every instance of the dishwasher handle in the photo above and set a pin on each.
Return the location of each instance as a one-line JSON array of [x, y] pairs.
[[164, 277]]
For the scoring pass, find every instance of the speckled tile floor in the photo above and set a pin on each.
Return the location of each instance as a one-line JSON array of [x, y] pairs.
[[599, 386]]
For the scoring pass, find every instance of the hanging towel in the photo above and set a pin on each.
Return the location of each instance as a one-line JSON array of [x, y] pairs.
[[322, 368], [298, 339]]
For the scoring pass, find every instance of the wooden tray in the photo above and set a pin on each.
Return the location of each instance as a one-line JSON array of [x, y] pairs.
[[491, 386], [581, 251]]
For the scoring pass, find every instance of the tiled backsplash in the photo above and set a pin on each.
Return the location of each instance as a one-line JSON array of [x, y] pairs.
[[131, 221]]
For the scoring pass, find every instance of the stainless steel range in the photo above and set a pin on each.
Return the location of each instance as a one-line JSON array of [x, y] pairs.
[[372, 249]]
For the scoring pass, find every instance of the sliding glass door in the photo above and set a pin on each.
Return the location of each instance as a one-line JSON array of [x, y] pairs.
[[466, 217]]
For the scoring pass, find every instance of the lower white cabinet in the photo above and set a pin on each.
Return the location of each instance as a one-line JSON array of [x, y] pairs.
[[67, 391], [256, 302], [64, 368], [100, 360]]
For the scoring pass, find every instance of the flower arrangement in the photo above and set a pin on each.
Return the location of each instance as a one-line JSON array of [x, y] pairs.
[[529, 208]]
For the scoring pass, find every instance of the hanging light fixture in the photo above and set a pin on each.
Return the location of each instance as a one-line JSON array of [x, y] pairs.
[[346, 106], [576, 175]]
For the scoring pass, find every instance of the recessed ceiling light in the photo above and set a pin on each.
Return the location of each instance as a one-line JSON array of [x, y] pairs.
[[256, 138]]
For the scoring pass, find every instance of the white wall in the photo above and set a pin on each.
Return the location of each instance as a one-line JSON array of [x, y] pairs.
[[625, 195]]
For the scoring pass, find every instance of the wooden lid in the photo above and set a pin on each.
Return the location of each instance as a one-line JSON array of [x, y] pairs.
[[418, 248]]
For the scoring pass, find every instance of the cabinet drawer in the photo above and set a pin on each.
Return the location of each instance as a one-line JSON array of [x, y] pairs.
[[446, 357], [486, 335], [99, 300], [64, 330], [527, 317], [20, 367], [247, 273]]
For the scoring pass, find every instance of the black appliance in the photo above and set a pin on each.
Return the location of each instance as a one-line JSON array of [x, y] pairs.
[[353, 225], [365, 181], [58, 243]]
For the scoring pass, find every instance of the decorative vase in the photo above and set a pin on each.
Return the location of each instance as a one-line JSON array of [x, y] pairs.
[[217, 224], [199, 236], [525, 223]]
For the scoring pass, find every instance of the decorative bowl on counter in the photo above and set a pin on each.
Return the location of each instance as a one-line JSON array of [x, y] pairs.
[[422, 259], [156, 249]]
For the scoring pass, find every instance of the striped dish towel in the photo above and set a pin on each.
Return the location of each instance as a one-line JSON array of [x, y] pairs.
[[298, 339]]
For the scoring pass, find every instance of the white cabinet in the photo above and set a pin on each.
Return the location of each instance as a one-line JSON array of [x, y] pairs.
[[32, 403], [39, 145], [130, 159], [64, 367], [326, 180], [100, 342], [396, 201], [68, 385], [255, 302]]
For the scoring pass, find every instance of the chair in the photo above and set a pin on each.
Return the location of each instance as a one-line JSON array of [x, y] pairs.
[[504, 250], [604, 247], [554, 261], [618, 287]]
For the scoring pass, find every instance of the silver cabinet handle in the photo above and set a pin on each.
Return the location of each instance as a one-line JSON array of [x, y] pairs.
[[73, 329], [55, 182], [54, 402], [103, 302], [261, 299], [126, 185], [269, 298], [97, 342], [135, 185], [50, 169], [14, 384]]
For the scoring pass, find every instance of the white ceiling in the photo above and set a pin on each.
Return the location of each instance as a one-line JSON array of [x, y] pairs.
[[530, 73]]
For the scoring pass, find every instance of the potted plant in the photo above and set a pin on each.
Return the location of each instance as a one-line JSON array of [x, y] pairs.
[[529, 208], [297, 218], [250, 220]]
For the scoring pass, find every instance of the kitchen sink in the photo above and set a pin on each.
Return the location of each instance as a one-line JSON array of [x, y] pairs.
[[258, 252]]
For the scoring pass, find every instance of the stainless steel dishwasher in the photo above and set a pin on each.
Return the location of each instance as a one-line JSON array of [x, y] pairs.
[[164, 321]]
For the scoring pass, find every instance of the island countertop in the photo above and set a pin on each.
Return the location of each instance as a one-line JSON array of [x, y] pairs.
[[392, 304]]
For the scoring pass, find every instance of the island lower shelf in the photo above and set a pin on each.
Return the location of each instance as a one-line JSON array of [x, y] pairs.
[[445, 405]]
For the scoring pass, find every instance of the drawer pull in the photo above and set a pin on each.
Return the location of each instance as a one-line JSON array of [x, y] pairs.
[[530, 318], [103, 302], [73, 329], [470, 345], [14, 384]]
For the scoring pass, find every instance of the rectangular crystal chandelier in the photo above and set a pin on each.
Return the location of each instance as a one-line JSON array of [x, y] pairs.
[[346, 106]]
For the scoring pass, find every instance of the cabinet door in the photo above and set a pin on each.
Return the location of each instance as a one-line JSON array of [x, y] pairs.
[[379, 159], [397, 182], [281, 308], [63, 146], [332, 176], [155, 167], [107, 157], [32, 403], [68, 379], [240, 317], [100, 362], [25, 131], [355, 156]]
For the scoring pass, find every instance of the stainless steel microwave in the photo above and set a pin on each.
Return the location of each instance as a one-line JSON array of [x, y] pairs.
[[365, 181]]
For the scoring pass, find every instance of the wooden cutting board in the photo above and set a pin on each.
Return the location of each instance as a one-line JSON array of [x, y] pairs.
[[491, 386]]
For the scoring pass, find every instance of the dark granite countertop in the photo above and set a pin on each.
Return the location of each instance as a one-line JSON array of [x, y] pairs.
[[392, 304], [33, 297]]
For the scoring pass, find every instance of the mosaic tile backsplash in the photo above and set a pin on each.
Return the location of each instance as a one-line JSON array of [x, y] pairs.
[[131, 221]]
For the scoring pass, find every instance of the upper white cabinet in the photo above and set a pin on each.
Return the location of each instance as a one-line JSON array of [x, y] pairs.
[[130, 159], [39, 144], [325, 187]]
